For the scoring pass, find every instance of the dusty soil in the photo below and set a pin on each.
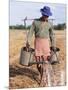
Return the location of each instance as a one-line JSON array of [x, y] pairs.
[[27, 77]]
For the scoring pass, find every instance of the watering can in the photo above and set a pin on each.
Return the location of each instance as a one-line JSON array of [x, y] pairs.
[[26, 56], [54, 55]]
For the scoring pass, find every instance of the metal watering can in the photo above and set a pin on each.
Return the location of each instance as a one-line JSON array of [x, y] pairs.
[[54, 55], [26, 56]]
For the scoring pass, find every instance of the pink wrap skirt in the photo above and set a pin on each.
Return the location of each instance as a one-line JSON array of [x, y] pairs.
[[42, 47]]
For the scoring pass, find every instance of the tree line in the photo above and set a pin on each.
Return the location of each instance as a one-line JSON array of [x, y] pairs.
[[60, 26], [21, 27]]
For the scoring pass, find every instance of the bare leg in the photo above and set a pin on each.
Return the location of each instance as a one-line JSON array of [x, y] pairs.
[[44, 72], [39, 67]]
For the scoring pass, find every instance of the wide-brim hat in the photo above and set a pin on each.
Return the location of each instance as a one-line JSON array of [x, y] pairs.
[[45, 11]]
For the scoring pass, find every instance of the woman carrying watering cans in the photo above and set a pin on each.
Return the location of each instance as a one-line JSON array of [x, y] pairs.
[[42, 29]]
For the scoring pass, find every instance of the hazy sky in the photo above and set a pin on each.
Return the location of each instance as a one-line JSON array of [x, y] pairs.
[[19, 10]]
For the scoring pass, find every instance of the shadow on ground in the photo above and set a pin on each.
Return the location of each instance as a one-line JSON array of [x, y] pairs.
[[23, 71]]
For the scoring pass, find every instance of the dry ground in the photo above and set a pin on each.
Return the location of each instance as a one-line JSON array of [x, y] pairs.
[[25, 77]]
